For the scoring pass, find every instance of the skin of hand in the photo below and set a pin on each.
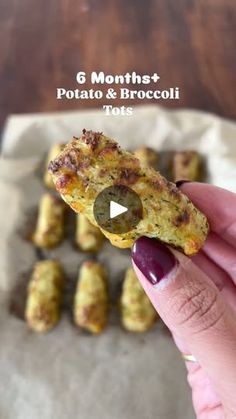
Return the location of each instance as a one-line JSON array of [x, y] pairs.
[[196, 298]]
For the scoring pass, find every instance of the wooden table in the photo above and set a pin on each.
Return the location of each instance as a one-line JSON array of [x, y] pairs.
[[190, 43]]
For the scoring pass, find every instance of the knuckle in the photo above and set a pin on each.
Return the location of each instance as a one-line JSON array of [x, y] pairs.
[[197, 309]]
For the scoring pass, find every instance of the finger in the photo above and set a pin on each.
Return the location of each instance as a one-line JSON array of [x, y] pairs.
[[222, 253], [223, 282], [205, 401], [217, 274], [203, 395], [220, 278], [190, 305], [218, 205]]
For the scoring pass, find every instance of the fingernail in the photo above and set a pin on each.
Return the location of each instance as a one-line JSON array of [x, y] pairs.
[[153, 259], [181, 182]]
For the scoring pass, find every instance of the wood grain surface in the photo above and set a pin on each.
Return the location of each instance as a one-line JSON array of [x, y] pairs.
[[190, 43]]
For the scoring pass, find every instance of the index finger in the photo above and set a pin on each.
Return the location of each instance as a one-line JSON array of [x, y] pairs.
[[219, 205]]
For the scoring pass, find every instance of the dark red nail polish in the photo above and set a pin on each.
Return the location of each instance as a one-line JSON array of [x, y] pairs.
[[181, 182], [153, 259]]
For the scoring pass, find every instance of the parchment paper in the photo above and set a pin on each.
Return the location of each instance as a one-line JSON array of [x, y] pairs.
[[67, 373]]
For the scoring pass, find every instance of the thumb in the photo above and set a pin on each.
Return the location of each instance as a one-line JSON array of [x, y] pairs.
[[192, 307]]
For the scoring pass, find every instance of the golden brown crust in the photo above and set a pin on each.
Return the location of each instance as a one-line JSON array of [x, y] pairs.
[[52, 154], [137, 312], [93, 162], [44, 296], [91, 298]]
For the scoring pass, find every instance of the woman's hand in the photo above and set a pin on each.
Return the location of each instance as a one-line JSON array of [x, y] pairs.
[[196, 298]]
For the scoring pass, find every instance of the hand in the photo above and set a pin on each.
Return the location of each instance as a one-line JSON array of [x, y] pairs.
[[196, 298]]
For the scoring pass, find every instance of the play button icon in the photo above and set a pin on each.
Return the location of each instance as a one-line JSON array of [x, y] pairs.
[[118, 209]]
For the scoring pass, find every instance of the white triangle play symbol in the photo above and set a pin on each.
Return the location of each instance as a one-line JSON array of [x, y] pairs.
[[116, 209]]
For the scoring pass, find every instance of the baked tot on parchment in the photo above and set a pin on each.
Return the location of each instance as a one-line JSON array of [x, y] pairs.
[[137, 311], [50, 226], [147, 156], [88, 237], [93, 162], [44, 298], [187, 165], [91, 298]]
